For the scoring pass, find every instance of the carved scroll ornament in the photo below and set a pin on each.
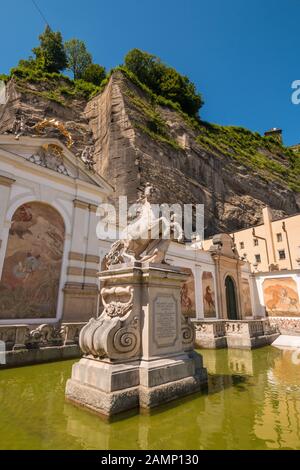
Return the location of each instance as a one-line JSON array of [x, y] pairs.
[[116, 333]]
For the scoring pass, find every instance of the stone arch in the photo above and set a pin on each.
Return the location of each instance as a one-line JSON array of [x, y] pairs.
[[30, 280], [28, 199], [231, 298], [188, 294]]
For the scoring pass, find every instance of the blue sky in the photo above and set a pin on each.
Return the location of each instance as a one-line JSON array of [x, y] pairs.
[[243, 55]]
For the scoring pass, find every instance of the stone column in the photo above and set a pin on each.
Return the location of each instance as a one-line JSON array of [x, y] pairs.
[[5, 189], [199, 293], [81, 289]]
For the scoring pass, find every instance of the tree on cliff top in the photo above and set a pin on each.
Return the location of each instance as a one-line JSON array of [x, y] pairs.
[[50, 54], [164, 80], [95, 74], [78, 57]]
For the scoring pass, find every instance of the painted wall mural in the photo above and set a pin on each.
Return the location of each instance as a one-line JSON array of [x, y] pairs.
[[246, 298], [281, 297], [188, 300], [209, 298], [31, 272]]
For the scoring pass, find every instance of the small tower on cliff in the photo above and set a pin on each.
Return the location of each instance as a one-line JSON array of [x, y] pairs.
[[276, 133]]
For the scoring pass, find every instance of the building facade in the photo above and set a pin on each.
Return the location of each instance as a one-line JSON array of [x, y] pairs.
[[273, 245], [49, 251]]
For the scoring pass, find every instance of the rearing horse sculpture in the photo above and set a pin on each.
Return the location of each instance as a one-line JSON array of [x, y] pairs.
[[137, 241]]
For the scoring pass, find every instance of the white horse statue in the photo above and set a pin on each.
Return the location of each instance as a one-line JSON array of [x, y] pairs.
[[146, 238]]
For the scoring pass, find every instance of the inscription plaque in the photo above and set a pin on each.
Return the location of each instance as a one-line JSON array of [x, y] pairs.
[[165, 325]]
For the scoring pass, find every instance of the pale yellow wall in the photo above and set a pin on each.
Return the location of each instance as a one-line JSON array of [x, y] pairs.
[[292, 225]]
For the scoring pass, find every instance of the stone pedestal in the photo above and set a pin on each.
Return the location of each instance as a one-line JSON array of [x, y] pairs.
[[139, 353]]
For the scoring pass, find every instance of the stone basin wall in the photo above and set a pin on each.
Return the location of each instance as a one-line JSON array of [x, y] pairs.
[[21, 345], [235, 334]]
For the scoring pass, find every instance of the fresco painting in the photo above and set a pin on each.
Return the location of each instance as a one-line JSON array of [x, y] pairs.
[[281, 297], [246, 298], [209, 298], [31, 273], [188, 300]]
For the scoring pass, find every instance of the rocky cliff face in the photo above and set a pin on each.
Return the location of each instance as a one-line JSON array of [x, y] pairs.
[[35, 102], [137, 141]]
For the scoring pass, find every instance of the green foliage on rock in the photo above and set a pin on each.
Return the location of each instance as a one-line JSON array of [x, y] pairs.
[[50, 54], [53, 86], [266, 155], [164, 81], [78, 57], [51, 57], [153, 124], [4, 78], [95, 74]]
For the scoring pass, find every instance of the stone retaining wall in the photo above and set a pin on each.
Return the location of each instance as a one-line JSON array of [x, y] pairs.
[[21, 345]]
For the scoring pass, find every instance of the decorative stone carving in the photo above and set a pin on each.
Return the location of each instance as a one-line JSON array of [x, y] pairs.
[[139, 351], [70, 332], [136, 243], [19, 126], [50, 156], [120, 306], [116, 333], [188, 333], [44, 335], [87, 157]]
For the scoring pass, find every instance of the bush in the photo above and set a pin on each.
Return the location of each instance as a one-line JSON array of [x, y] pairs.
[[79, 59], [164, 81], [50, 54], [95, 74]]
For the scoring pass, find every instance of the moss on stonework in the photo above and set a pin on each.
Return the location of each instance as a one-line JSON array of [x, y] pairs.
[[265, 155], [56, 87], [158, 137], [155, 126]]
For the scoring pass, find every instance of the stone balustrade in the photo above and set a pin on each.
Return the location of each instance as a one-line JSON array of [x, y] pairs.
[[210, 334], [18, 337], [235, 334], [23, 344]]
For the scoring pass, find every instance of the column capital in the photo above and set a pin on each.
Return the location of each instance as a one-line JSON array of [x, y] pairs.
[[81, 204], [5, 181]]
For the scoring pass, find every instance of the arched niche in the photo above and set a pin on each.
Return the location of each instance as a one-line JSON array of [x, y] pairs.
[[209, 297], [188, 299], [31, 272], [231, 299]]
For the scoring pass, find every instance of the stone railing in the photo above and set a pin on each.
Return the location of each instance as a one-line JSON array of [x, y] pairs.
[[19, 337], [286, 326], [210, 333], [252, 328], [244, 334]]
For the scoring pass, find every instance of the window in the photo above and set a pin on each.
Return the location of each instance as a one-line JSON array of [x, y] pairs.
[[257, 258], [281, 254], [242, 245], [255, 242], [279, 237]]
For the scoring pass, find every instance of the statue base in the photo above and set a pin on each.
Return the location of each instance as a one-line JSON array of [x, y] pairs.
[[150, 358], [109, 389]]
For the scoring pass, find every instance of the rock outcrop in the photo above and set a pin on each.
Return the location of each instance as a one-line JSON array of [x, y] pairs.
[[180, 168], [138, 141]]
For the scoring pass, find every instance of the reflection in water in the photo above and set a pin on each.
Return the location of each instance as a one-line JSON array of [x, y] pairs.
[[252, 402]]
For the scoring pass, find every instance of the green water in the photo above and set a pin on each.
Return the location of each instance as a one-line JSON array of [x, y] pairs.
[[253, 402]]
